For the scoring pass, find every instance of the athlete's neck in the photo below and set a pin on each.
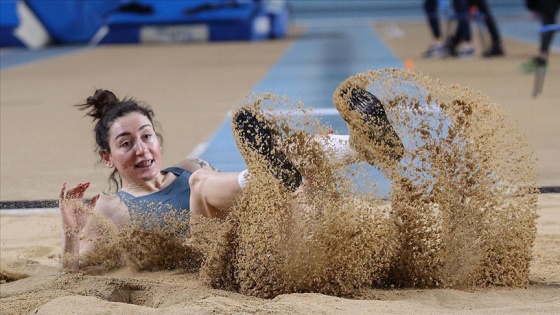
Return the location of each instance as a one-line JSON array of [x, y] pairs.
[[146, 187]]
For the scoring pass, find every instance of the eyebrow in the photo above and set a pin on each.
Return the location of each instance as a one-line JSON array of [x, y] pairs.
[[126, 133]]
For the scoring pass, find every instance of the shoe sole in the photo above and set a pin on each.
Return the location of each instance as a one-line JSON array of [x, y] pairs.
[[256, 134], [372, 124]]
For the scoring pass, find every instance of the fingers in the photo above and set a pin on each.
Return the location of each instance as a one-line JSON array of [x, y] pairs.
[[77, 192], [93, 201], [61, 194]]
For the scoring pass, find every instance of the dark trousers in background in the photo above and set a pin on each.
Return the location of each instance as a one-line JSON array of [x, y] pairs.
[[431, 9], [463, 31], [548, 9], [488, 20]]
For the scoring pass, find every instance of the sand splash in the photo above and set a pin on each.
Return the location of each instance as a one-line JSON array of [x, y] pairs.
[[461, 212]]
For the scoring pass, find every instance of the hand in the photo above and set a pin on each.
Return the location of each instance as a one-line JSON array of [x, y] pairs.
[[75, 213]]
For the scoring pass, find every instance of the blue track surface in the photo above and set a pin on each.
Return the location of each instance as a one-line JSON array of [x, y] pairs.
[[14, 57]]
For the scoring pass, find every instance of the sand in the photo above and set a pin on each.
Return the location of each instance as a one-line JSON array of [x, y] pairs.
[[33, 256], [32, 281]]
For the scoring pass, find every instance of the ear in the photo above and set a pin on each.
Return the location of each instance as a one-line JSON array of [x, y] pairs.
[[106, 157]]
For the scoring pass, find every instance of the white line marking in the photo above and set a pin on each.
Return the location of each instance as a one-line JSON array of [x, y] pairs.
[[30, 211], [198, 150]]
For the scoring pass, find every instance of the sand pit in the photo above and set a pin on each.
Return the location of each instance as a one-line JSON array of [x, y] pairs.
[[33, 257]]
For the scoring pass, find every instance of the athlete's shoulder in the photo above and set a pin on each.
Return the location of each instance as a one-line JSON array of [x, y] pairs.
[[111, 207], [193, 164]]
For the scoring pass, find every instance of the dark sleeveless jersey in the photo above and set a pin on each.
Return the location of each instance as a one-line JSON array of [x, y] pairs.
[[168, 207]]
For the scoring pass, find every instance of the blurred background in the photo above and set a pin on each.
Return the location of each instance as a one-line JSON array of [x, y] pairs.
[[193, 60], [41, 23]]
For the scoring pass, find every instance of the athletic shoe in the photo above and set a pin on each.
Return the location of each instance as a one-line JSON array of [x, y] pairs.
[[495, 51], [533, 64], [374, 125], [465, 52], [256, 134], [435, 51]]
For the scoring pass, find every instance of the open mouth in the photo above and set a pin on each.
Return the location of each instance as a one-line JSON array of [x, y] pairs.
[[144, 164]]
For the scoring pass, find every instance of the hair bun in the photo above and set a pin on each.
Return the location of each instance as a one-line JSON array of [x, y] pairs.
[[99, 103]]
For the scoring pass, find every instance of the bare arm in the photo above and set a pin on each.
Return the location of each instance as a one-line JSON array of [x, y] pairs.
[[75, 216], [83, 223]]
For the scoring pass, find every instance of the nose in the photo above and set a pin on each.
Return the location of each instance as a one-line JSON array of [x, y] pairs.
[[141, 148]]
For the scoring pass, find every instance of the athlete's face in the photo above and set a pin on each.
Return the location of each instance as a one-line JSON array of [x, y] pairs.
[[135, 148]]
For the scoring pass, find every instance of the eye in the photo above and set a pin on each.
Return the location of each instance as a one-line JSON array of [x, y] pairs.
[[148, 136], [125, 144]]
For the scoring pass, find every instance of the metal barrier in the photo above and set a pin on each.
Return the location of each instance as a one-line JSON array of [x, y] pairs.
[[540, 70]]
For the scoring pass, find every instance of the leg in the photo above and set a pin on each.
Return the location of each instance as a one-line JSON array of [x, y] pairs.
[[538, 64], [338, 149], [254, 135], [496, 48], [437, 47], [431, 10], [463, 35], [463, 28], [547, 10], [371, 132]]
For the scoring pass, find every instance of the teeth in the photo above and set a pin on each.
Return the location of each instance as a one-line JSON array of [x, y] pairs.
[[145, 163]]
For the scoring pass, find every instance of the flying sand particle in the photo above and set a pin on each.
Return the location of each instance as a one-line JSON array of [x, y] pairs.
[[461, 213]]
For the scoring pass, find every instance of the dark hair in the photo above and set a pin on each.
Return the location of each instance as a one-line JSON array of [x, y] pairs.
[[105, 107]]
